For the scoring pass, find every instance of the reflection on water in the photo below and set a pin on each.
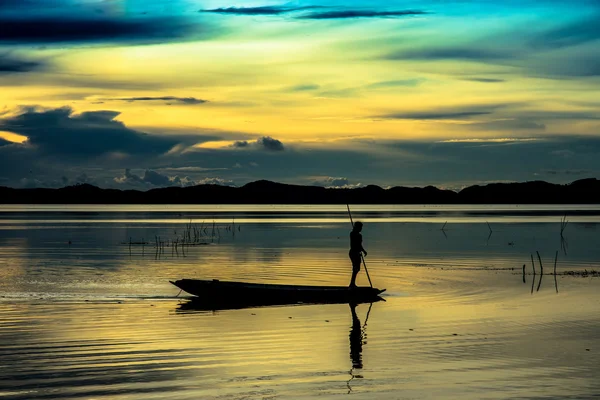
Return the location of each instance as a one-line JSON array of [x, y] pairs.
[[94, 319]]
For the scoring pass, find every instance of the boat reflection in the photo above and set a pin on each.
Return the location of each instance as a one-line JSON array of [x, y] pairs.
[[193, 304], [357, 335]]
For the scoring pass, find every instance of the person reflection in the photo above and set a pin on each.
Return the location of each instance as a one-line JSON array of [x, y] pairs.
[[356, 340]]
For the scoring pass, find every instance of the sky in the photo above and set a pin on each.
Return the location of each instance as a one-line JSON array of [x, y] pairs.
[[139, 94]]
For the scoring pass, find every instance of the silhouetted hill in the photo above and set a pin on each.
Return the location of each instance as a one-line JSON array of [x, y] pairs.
[[266, 192]]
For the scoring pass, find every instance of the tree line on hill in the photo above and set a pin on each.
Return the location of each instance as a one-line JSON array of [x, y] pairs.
[[266, 192]]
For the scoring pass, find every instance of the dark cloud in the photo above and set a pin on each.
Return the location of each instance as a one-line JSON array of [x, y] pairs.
[[10, 64], [346, 14], [48, 30], [262, 10], [80, 179], [168, 99], [91, 133], [268, 143], [156, 178], [459, 112], [150, 178], [263, 143], [451, 53], [241, 144]]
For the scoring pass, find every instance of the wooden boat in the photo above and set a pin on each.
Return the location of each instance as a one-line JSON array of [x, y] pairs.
[[240, 294]]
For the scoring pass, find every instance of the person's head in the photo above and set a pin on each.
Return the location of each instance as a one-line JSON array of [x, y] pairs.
[[358, 226]]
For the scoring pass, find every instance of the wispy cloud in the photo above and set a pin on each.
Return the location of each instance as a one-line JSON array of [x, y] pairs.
[[168, 99], [396, 83], [304, 88], [571, 34], [485, 80], [489, 140], [450, 53], [346, 14], [437, 115], [261, 10]]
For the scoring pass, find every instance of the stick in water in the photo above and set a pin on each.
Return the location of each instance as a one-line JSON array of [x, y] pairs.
[[361, 256]]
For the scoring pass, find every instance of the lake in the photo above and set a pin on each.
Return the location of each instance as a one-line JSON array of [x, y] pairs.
[[87, 310]]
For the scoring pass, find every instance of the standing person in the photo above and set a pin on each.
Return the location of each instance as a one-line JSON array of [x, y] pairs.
[[356, 250]]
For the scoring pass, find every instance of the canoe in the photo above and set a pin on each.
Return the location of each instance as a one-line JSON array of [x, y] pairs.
[[255, 294]]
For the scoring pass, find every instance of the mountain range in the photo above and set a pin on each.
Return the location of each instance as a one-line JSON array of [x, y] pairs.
[[584, 191]]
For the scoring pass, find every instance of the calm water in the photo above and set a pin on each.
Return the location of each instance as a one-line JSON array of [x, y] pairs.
[[86, 315]]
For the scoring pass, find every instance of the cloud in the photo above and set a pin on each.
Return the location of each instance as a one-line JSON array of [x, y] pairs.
[[333, 182], [571, 34], [451, 53], [87, 29], [9, 64], [261, 10], [485, 80], [268, 143], [151, 178], [396, 83], [215, 181], [156, 178], [304, 88], [182, 100], [465, 112], [263, 143], [91, 133], [565, 172], [510, 124], [81, 179], [436, 115], [346, 14]]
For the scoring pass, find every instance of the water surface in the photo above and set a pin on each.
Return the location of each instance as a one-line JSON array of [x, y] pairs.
[[83, 314]]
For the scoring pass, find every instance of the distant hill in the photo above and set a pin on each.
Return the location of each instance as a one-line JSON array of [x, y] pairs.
[[266, 192]]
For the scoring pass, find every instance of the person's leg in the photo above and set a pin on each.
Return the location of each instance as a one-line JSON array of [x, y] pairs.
[[355, 270]]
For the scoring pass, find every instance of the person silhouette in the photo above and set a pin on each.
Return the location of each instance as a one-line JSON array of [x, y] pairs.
[[356, 251]]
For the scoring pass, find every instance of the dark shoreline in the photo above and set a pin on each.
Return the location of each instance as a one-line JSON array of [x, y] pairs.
[[585, 191]]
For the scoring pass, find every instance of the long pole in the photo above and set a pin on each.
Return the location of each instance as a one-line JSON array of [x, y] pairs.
[[361, 256]]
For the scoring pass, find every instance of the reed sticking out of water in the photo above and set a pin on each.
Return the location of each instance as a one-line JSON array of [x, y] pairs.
[[541, 266], [444, 226], [563, 224], [532, 265], [555, 281], [563, 241], [541, 271], [524, 281], [490, 235]]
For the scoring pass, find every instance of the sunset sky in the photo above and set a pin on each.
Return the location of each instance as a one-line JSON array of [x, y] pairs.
[[151, 93]]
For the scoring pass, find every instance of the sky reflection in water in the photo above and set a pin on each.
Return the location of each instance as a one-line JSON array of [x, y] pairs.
[[92, 319]]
